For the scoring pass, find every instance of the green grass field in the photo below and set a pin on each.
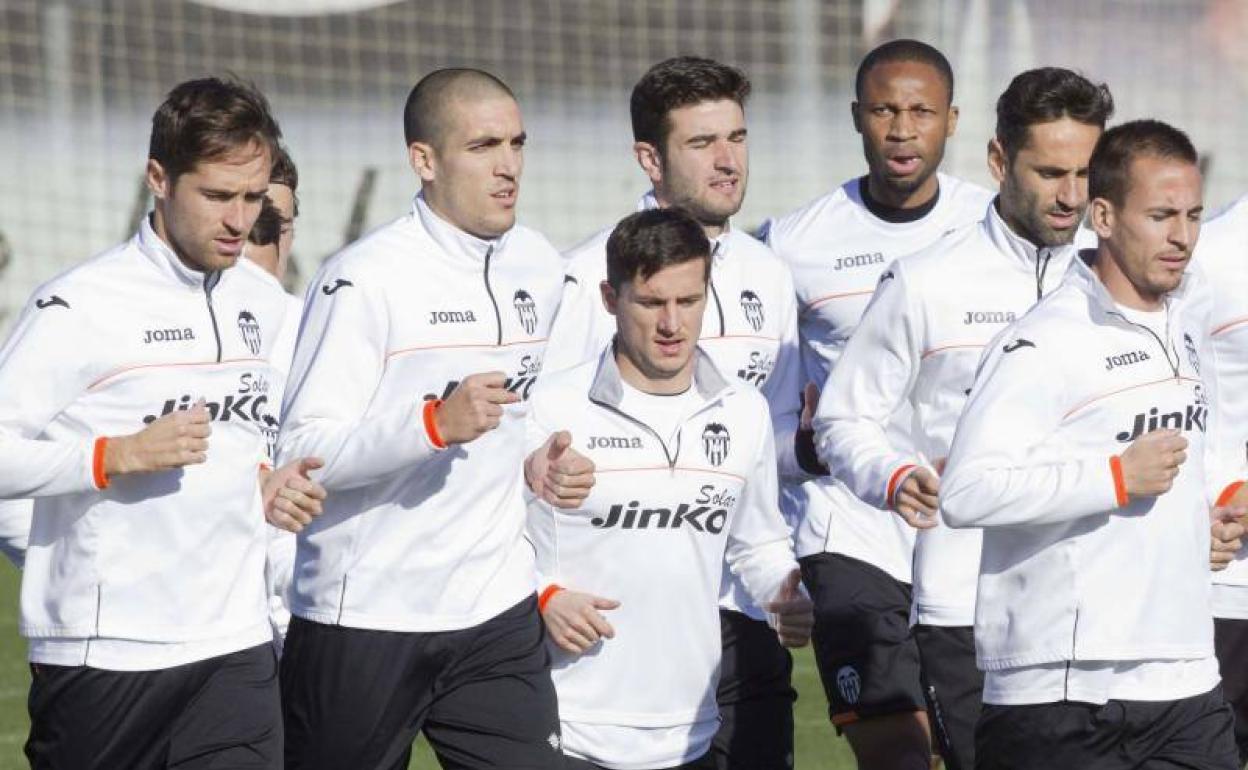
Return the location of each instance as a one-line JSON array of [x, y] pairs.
[[818, 748]]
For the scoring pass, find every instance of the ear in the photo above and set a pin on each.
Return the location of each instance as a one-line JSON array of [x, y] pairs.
[[610, 300], [853, 114], [421, 156], [650, 160], [157, 180], [1101, 217], [953, 121], [997, 163]]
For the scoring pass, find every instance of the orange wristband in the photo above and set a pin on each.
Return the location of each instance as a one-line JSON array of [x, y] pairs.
[[431, 427], [1228, 493], [550, 591], [97, 463], [1120, 483]]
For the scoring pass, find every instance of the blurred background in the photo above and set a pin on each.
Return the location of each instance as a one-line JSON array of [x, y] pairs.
[[79, 80]]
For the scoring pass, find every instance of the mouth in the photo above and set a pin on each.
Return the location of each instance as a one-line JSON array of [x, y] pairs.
[[229, 247], [507, 196], [670, 347], [903, 164], [1062, 220], [1174, 261], [725, 186]]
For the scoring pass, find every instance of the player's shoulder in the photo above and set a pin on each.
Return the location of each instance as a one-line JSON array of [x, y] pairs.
[[965, 193], [586, 262], [255, 280], [556, 391], [953, 252], [378, 251], [98, 280], [1223, 243], [536, 246], [786, 230]]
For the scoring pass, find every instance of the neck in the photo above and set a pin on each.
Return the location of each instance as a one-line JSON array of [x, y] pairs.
[[162, 232], [1119, 284], [652, 383], [1015, 225], [712, 229], [881, 192]]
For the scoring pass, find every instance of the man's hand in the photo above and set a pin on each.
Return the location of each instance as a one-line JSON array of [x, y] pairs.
[[574, 622], [473, 408], [810, 403], [559, 474], [1152, 461], [917, 498], [792, 614], [804, 437], [1226, 535], [168, 442], [291, 499]]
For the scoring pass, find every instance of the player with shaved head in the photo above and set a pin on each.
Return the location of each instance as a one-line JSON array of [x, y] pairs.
[[414, 602]]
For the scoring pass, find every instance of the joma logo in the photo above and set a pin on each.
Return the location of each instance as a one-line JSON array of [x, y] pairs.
[[451, 317], [1126, 359], [858, 260], [167, 335], [614, 442], [989, 317]]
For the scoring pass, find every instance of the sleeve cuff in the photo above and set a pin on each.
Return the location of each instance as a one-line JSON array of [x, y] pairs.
[[895, 481], [98, 476], [431, 426], [1120, 483]]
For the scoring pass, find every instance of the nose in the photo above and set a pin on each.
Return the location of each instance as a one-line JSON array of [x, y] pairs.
[[1072, 193], [1183, 233], [510, 162], [669, 319], [901, 127], [236, 215], [722, 158]]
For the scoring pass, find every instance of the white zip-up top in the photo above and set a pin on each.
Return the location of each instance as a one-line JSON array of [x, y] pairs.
[[837, 250], [749, 329], [917, 346], [666, 512], [1073, 569], [171, 560], [1222, 258], [414, 538]]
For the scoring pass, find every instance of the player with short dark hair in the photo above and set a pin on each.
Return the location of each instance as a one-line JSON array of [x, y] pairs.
[[691, 141], [135, 413], [917, 347], [684, 484], [856, 560], [414, 601], [1093, 621]]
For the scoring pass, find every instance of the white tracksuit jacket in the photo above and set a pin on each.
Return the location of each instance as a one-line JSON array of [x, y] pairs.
[[654, 534], [1069, 573], [749, 329], [1222, 258], [837, 250], [172, 557], [414, 538], [918, 345]]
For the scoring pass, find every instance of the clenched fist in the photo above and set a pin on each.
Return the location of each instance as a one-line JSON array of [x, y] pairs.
[[1152, 461], [917, 497], [559, 474], [168, 442], [473, 408]]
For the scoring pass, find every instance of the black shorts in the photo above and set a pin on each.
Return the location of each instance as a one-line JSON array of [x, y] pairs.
[[866, 655], [356, 698], [954, 687], [220, 712], [1230, 638], [755, 697], [1193, 733]]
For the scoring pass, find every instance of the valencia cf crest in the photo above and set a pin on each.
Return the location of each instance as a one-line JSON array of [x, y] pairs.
[[526, 308], [849, 683], [753, 307], [715, 443], [1192, 357], [250, 329]]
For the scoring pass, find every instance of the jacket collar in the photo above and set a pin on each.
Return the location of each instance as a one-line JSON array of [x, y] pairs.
[[720, 244], [608, 385], [453, 240], [163, 258], [1081, 276], [1026, 253]]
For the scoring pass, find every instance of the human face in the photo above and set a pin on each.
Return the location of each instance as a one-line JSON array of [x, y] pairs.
[[471, 176], [205, 214], [1044, 189], [658, 321], [904, 118], [1147, 242], [283, 199], [705, 164]]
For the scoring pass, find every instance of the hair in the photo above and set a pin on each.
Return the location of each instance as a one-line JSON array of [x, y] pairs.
[[285, 173], [644, 243], [207, 119], [1110, 167], [681, 82], [1046, 94], [904, 50], [424, 114], [268, 227]]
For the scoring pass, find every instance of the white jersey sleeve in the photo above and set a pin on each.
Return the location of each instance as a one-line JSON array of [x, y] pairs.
[[759, 551], [339, 360], [581, 327], [783, 387], [999, 473], [872, 380], [40, 375]]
